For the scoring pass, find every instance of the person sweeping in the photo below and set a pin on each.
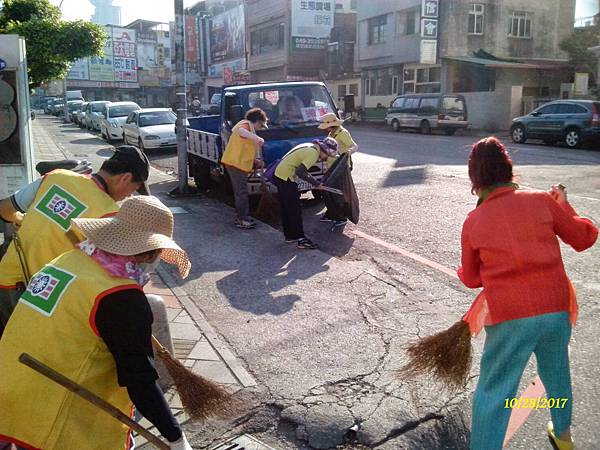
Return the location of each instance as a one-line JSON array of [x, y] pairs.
[[240, 159], [331, 123], [85, 315], [510, 247]]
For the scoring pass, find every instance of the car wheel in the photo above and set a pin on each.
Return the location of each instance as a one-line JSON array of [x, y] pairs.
[[141, 145], [450, 131], [518, 134], [425, 128], [572, 138], [395, 125], [108, 137]]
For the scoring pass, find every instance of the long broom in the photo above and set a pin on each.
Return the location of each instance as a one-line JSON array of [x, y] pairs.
[[200, 397], [268, 206], [447, 356]]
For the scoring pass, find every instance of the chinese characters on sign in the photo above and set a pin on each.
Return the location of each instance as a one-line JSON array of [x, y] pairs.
[[315, 6], [312, 22], [430, 8], [428, 51], [301, 43], [429, 28]]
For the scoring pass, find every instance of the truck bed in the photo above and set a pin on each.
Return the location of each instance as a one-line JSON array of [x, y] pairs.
[[204, 139]]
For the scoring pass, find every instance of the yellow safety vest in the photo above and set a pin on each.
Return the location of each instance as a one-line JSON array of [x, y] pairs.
[[54, 322], [63, 195], [240, 152]]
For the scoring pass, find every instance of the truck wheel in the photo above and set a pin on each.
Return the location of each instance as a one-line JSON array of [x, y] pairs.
[[200, 171]]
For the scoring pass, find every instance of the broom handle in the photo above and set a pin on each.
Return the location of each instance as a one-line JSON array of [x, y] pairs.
[[70, 385]]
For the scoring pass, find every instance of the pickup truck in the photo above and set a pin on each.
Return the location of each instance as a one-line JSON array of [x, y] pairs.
[[294, 110]]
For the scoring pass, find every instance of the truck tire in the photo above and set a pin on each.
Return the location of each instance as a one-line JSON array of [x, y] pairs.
[[200, 172]]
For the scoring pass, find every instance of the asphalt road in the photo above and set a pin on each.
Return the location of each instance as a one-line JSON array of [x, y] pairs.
[[324, 338]]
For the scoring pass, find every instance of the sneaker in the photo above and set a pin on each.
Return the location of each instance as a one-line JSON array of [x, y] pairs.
[[244, 224], [307, 244], [324, 219], [339, 223]]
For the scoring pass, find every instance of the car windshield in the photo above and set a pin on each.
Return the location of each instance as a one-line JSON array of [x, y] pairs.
[[149, 119], [122, 111], [74, 106], [290, 105], [98, 107]]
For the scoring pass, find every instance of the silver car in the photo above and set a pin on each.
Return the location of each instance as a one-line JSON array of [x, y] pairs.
[[113, 118], [93, 114]]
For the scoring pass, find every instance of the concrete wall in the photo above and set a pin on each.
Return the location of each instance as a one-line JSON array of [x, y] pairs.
[[552, 22], [493, 111], [261, 14]]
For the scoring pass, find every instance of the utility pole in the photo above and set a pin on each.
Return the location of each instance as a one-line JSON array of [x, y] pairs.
[[181, 128], [65, 100]]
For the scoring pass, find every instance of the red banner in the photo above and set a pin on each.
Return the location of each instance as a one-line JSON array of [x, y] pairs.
[[192, 55]]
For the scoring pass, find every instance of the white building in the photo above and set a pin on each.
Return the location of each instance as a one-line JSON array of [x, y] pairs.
[[106, 13]]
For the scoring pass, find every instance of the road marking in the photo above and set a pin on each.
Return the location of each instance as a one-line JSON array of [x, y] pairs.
[[535, 389]]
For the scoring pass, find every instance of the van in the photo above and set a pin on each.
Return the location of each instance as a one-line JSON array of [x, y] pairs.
[[427, 112]]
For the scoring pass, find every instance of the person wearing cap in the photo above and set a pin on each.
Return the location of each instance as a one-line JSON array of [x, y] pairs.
[[346, 144], [50, 203], [295, 165], [240, 160], [331, 123], [91, 297]]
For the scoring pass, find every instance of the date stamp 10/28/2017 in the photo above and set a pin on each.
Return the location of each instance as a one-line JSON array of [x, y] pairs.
[[535, 403]]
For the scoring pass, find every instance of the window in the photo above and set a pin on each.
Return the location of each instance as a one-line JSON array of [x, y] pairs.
[[411, 103], [550, 109], [398, 103], [453, 104], [395, 84], [341, 90], [267, 40], [367, 86], [410, 27], [567, 108], [422, 80], [353, 89], [476, 18], [429, 104], [377, 29], [519, 24]]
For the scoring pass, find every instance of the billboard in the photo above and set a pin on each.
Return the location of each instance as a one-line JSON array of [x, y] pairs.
[[124, 54], [79, 70], [312, 22], [101, 67], [192, 53], [228, 39]]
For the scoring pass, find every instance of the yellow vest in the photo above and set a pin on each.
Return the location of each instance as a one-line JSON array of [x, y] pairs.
[[240, 152], [62, 196], [54, 323], [306, 154], [344, 141]]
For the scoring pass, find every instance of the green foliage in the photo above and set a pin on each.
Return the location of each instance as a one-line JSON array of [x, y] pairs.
[[52, 44], [577, 44]]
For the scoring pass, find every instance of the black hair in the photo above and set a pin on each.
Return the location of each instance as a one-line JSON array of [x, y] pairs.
[[255, 115], [116, 167]]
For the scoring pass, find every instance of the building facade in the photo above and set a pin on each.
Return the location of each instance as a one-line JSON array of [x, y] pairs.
[[106, 13], [462, 46]]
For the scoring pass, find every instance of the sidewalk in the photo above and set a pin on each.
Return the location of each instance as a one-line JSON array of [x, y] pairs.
[[196, 344]]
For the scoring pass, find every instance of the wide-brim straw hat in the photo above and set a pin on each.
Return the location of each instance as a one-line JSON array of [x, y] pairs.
[[142, 224], [330, 120]]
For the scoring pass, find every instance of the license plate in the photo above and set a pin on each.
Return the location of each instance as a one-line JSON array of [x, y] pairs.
[[304, 186]]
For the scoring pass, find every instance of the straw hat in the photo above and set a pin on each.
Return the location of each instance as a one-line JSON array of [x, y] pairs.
[[142, 224], [330, 120]]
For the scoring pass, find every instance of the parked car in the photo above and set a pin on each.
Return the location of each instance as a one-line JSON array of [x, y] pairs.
[[93, 114], [113, 118], [150, 128], [427, 112], [73, 106], [570, 121], [48, 104], [56, 106], [80, 114]]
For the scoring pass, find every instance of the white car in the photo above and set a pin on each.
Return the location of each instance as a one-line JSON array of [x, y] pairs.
[[93, 113], [150, 128], [113, 118]]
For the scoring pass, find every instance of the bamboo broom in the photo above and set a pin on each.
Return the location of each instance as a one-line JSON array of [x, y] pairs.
[[268, 206], [200, 397]]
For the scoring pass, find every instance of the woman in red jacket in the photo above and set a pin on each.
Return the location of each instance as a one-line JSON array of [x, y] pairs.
[[510, 248]]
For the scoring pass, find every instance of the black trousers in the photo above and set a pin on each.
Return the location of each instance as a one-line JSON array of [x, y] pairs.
[[291, 209]]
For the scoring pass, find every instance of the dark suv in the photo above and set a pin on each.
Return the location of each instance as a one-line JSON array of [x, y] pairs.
[[570, 121]]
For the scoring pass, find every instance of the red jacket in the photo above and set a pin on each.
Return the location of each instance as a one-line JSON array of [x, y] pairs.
[[510, 247]]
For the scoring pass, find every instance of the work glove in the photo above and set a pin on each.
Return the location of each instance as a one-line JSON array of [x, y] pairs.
[[180, 444]]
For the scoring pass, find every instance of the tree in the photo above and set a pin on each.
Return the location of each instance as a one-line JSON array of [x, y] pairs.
[[577, 44], [52, 43]]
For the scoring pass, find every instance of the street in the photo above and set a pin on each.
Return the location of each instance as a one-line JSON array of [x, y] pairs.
[[323, 332]]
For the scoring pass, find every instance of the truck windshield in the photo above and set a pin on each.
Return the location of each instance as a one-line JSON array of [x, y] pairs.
[[157, 118], [290, 105]]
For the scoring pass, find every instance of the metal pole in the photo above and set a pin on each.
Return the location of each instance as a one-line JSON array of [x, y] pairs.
[[182, 156], [65, 107]]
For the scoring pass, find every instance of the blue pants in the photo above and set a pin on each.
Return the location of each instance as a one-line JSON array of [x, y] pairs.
[[508, 347]]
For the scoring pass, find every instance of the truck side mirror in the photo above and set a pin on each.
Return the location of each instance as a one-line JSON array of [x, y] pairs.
[[237, 113]]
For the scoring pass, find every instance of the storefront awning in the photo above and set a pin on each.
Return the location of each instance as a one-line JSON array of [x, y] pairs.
[[498, 64]]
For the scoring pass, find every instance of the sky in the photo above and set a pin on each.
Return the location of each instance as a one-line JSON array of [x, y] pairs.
[[159, 10]]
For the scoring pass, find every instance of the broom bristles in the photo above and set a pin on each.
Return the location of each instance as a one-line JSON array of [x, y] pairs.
[[445, 356], [200, 397], [267, 207]]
